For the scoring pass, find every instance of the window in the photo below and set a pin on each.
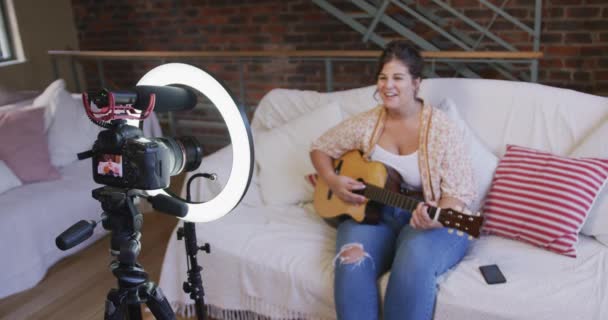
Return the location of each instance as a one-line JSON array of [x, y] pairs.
[[10, 42]]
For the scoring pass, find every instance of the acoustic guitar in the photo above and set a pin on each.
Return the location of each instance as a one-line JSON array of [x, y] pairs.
[[375, 177]]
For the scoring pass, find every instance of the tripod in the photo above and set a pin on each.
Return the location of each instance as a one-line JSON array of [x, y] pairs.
[[124, 220]]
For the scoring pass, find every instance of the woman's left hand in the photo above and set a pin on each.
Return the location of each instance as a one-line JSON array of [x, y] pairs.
[[421, 220]]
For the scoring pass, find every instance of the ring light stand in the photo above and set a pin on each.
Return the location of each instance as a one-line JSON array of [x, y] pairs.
[[241, 172]]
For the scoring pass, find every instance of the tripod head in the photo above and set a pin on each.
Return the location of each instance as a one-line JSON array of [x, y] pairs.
[[123, 219], [120, 215]]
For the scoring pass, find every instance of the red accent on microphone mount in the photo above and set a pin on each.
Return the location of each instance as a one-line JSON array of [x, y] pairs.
[[113, 111]]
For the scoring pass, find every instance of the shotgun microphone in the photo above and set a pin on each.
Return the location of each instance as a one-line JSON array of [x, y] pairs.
[[168, 98]]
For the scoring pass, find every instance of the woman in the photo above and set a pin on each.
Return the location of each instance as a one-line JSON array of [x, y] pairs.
[[421, 144]]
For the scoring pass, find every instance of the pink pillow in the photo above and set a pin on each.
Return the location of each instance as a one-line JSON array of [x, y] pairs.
[[541, 198], [24, 146]]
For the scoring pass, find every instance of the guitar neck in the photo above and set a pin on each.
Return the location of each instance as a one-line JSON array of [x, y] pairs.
[[394, 199]]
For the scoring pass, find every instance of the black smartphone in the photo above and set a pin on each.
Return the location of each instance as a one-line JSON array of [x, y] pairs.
[[492, 274]]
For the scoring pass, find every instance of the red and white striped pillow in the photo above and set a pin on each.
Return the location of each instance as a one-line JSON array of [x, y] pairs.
[[541, 198], [311, 178]]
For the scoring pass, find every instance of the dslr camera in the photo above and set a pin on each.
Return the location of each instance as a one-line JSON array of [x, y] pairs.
[[122, 156]]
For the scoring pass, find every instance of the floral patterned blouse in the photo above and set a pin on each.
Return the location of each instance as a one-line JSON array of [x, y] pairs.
[[445, 165]]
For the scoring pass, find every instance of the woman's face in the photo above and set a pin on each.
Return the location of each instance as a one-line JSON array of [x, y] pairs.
[[396, 86]]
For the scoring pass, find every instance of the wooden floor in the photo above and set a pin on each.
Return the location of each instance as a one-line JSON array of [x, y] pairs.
[[76, 287]]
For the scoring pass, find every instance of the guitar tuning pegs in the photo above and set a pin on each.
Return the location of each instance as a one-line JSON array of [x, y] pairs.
[[450, 231], [460, 233]]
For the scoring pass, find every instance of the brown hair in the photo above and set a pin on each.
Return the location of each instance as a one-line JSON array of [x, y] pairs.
[[404, 52]]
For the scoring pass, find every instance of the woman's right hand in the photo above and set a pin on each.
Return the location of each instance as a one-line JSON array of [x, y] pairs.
[[342, 186]]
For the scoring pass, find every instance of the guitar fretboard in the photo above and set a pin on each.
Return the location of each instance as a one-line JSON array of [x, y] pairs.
[[393, 199]]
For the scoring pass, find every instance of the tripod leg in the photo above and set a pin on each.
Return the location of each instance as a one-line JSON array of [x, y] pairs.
[[113, 309], [201, 312], [134, 312], [157, 302]]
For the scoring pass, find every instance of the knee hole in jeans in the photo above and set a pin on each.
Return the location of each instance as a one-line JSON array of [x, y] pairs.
[[351, 253]]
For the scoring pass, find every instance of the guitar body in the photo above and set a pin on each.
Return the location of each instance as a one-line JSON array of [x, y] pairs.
[[382, 188], [351, 164]]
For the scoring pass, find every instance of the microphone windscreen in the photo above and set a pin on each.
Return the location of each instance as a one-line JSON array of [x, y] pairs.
[[167, 204], [168, 98]]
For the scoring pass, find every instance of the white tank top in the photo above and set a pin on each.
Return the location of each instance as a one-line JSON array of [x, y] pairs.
[[405, 165]]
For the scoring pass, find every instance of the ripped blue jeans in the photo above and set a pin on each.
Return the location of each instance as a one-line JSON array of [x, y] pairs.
[[415, 257]]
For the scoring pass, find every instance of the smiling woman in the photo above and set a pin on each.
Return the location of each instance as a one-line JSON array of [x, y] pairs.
[[411, 137]]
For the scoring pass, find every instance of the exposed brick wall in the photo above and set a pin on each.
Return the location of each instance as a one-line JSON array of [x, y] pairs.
[[218, 25], [574, 36], [574, 39]]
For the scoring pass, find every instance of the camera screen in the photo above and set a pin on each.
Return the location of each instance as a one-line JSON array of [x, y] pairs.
[[110, 165]]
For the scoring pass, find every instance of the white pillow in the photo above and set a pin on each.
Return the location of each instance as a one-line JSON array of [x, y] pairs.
[[483, 160], [8, 179], [71, 131], [220, 163], [49, 92], [44, 100], [595, 146], [283, 155]]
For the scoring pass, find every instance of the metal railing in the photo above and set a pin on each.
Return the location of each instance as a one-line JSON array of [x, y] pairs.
[[380, 11], [242, 58]]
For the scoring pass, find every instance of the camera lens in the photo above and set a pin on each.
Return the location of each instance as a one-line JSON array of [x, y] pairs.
[[185, 153], [193, 152]]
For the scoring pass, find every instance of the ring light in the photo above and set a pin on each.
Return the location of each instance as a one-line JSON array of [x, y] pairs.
[[238, 128]]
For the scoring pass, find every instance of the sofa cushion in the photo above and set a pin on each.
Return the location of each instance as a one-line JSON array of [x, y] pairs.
[[23, 144], [283, 159], [34, 215], [279, 106], [353, 101], [541, 198], [45, 99], [483, 160], [521, 113], [8, 179], [595, 146], [499, 112]]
